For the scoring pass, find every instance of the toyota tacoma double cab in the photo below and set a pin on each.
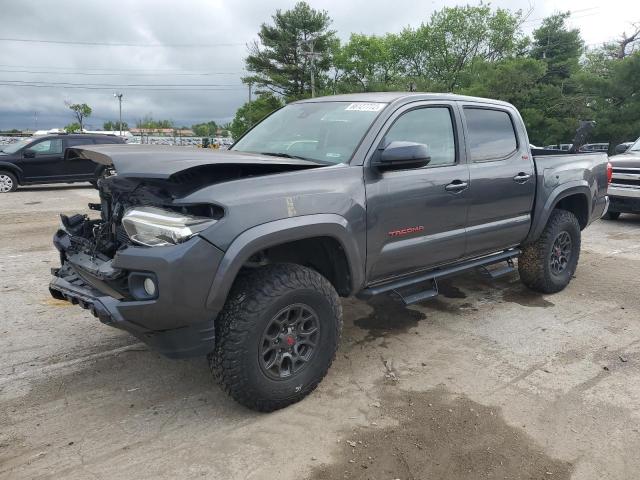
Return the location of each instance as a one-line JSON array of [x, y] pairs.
[[243, 255]]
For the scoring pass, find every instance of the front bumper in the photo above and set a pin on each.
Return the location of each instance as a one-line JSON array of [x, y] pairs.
[[177, 322], [624, 199]]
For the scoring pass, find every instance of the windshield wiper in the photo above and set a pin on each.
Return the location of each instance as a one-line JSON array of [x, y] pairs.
[[285, 155], [296, 157]]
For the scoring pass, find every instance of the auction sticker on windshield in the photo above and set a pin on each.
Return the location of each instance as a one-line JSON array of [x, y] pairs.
[[365, 107]]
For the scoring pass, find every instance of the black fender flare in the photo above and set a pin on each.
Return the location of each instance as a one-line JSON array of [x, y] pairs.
[[543, 212], [282, 231], [13, 168]]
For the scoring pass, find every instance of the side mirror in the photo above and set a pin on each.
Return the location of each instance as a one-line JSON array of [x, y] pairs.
[[621, 148], [399, 155], [29, 153]]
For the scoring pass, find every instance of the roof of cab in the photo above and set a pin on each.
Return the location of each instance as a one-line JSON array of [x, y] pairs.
[[391, 97]]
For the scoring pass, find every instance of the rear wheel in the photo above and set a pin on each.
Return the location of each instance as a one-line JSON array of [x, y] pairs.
[[276, 336], [612, 215], [8, 182], [548, 264]]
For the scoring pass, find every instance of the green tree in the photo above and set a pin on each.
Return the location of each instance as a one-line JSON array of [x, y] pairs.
[[207, 129], [368, 62], [557, 46], [73, 127], [114, 126], [441, 52], [281, 61], [81, 111], [613, 92], [148, 123], [251, 113]]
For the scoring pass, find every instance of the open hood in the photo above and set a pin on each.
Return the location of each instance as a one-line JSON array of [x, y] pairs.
[[162, 161]]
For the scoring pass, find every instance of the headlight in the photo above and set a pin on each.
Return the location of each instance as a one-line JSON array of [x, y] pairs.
[[155, 227]]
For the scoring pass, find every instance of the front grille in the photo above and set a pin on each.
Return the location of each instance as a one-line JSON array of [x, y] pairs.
[[629, 177]]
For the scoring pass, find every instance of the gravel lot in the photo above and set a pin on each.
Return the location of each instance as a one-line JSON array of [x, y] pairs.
[[488, 381]]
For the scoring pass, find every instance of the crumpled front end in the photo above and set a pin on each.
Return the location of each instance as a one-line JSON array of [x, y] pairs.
[[158, 293]]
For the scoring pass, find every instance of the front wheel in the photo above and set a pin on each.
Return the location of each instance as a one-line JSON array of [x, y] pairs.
[[548, 264], [276, 336], [8, 182]]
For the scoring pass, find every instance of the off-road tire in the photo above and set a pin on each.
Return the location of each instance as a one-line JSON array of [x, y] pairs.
[[11, 178], [612, 215], [534, 264], [256, 297]]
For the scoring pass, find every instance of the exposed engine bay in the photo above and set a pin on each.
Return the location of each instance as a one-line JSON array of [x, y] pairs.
[[126, 202]]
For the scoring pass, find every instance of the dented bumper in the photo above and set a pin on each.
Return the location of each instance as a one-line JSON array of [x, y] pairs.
[[174, 321]]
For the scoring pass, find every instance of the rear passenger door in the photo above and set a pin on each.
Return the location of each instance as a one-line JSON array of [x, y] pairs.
[[76, 167], [502, 180]]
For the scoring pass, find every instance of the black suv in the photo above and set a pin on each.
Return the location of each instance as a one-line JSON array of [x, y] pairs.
[[45, 159]]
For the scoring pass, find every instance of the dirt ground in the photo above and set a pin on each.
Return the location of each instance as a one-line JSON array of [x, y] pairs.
[[488, 381]]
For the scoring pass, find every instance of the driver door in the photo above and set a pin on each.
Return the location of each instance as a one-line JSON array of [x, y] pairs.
[[416, 218], [43, 161]]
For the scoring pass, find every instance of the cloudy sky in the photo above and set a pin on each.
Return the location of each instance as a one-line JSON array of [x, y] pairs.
[[198, 45]]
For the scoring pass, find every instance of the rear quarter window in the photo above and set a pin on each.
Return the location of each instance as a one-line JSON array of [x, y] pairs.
[[491, 134]]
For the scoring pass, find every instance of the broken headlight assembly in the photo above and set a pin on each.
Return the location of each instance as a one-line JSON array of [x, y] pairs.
[[157, 227]]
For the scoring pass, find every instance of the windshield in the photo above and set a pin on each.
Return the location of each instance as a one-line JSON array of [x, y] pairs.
[[328, 132], [635, 147], [14, 147]]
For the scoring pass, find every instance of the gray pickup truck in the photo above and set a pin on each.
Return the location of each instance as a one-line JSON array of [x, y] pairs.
[[243, 255]]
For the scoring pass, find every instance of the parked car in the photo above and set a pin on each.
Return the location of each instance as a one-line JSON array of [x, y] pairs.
[[595, 147], [624, 191], [565, 147], [242, 255], [46, 159]]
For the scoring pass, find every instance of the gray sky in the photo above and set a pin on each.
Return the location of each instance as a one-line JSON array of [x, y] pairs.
[[153, 31]]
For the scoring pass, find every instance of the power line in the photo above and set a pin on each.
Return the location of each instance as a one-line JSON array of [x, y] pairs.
[[114, 44], [112, 74], [146, 89], [121, 85], [105, 69], [571, 13]]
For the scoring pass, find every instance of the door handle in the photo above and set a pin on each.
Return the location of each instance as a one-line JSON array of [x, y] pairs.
[[456, 186], [521, 177]]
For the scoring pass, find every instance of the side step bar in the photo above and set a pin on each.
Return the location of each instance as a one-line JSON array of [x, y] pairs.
[[411, 283]]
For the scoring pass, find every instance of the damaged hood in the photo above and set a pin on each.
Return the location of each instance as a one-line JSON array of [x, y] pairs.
[[162, 161], [626, 160]]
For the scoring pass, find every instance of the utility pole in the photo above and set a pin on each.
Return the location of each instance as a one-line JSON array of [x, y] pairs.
[[311, 55], [119, 97], [249, 107]]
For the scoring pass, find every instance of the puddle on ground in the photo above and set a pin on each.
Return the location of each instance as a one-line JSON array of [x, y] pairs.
[[389, 315], [525, 297], [440, 437]]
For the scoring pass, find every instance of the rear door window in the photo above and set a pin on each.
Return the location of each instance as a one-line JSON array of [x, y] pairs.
[[491, 134]]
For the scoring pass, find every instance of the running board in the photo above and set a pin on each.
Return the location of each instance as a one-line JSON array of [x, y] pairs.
[[498, 272], [433, 275], [414, 294]]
